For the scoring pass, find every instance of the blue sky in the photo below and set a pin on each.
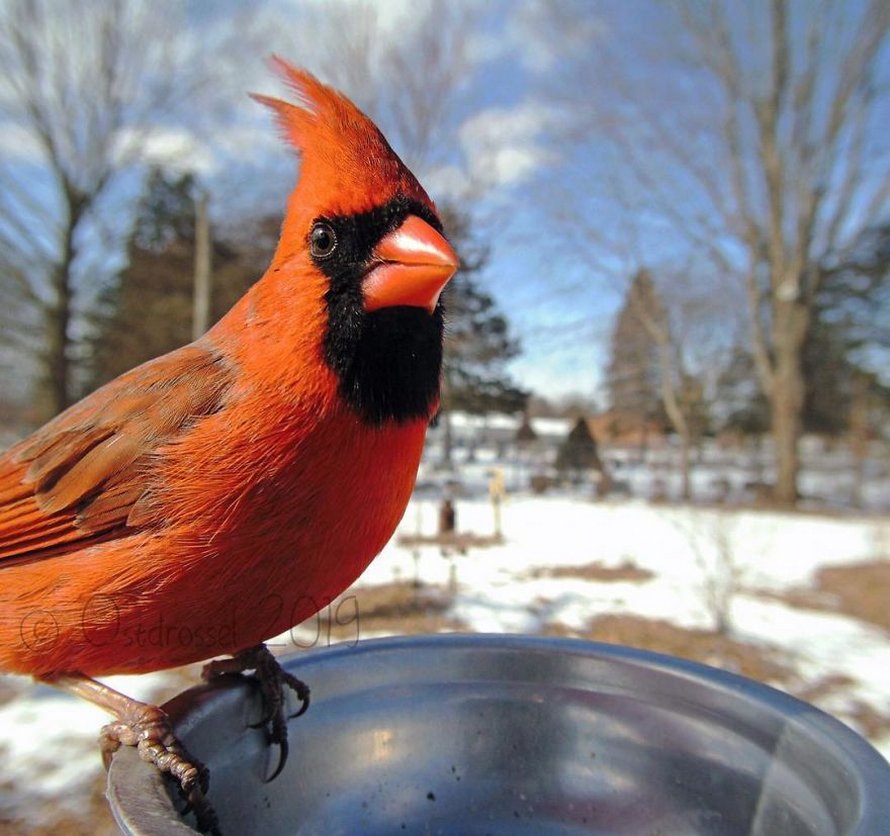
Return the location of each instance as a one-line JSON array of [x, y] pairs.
[[518, 143], [564, 245], [495, 138]]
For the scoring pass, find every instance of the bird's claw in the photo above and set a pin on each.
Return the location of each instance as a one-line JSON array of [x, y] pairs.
[[149, 730], [272, 680]]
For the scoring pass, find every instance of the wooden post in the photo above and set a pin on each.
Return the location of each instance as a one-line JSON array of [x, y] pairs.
[[203, 275], [859, 432], [496, 490]]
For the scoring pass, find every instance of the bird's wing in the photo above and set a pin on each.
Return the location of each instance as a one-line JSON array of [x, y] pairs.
[[80, 478]]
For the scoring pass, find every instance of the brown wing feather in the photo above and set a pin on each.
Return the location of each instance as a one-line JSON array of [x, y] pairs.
[[76, 480]]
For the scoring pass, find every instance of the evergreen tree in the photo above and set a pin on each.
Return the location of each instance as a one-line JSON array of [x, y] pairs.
[[633, 376], [829, 374], [578, 451], [850, 331], [147, 311], [743, 406], [851, 324], [854, 296], [648, 374], [478, 342], [693, 404], [526, 434]]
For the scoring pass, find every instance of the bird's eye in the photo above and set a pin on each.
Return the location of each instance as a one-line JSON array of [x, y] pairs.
[[322, 240]]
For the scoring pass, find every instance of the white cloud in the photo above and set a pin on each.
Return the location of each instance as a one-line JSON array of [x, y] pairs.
[[504, 146], [393, 17], [536, 34], [501, 147], [18, 144], [248, 140], [177, 147], [174, 147], [523, 34], [447, 181]]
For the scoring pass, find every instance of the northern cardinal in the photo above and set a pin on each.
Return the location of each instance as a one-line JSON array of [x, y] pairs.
[[218, 495]]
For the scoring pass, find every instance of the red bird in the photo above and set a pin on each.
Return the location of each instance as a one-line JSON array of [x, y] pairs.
[[218, 495]]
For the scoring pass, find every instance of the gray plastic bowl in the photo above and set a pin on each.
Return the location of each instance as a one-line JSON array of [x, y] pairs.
[[463, 734]]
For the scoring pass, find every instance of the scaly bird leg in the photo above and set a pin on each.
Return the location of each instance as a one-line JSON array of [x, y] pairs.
[[147, 728], [272, 679]]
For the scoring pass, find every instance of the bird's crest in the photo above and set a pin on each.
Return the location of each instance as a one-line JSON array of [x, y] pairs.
[[342, 151]]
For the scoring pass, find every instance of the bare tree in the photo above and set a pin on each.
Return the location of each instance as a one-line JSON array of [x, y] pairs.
[[633, 370], [670, 326], [85, 90], [411, 84], [748, 134], [711, 537], [672, 374]]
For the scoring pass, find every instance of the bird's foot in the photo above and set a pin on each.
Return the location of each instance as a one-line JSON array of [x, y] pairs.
[[148, 728], [272, 680]]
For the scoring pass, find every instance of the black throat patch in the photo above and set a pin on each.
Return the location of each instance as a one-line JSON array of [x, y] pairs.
[[388, 361]]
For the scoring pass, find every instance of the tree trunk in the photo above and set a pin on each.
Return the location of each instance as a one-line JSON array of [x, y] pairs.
[[57, 359], [787, 397], [447, 439], [58, 321], [674, 410], [686, 445], [786, 434], [643, 448], [859, 431], [203, 287]]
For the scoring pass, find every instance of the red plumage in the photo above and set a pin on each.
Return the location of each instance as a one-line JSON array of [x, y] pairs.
[[218, 495]]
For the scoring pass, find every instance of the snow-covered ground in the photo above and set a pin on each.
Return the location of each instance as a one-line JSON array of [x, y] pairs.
[[684, 548], [48, 756], [731, 473]]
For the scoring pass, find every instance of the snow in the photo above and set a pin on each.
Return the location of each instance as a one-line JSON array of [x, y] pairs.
[[40, 724], [716, 472], [501, 589]]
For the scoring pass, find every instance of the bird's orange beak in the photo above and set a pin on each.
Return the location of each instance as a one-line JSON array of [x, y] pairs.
[[413, 265]]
